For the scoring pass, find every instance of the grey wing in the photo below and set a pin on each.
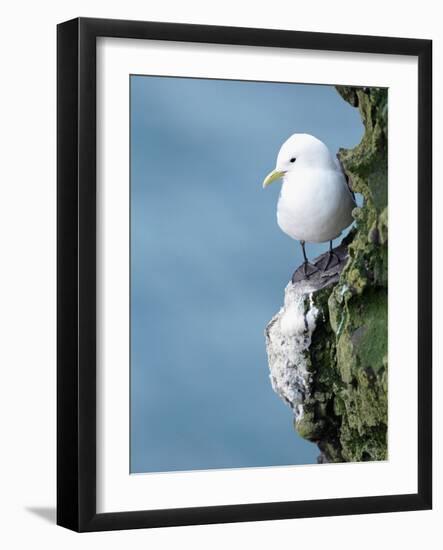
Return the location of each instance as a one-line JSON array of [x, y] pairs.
[[347, 178]]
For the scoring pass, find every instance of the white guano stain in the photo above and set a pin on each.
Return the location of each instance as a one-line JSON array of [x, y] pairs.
[[288, 339]]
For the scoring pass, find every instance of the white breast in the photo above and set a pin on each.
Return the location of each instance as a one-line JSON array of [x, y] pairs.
[[315, 205]]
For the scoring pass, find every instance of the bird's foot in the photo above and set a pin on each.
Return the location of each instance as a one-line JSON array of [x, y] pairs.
[[309, 269], [331, 260]]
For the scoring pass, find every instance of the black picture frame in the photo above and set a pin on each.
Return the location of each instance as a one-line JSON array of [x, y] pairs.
[[76, 278]]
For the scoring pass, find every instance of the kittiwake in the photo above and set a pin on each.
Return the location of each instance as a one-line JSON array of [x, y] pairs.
[[315, 203]]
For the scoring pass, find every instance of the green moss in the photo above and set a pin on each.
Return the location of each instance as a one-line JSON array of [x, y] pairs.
[[347, 412]]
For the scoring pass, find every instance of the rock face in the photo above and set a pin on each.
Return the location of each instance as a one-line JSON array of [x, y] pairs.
[[327, 346]]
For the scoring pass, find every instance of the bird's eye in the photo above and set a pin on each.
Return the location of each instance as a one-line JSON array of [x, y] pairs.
[[292, 159]]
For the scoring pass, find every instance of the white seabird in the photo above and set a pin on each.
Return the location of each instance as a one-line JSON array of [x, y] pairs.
[[315, 202]]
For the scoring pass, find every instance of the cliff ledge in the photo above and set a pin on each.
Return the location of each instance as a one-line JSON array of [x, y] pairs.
[[327, 346]]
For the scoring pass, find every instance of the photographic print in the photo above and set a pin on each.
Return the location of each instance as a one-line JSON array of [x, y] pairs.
[[259, 274]]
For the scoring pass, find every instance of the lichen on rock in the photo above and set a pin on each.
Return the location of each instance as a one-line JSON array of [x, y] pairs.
[[327, 347]]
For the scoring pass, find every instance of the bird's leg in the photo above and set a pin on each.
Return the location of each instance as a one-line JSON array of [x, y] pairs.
[[331, 254], [307, 264]]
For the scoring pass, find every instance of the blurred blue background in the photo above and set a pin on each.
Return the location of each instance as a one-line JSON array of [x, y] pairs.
[[209, 266]]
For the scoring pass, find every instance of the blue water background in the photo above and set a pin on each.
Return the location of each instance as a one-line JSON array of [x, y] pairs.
[[209, 266]]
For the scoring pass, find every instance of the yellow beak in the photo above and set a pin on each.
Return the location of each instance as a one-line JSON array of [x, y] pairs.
[[272, 176]]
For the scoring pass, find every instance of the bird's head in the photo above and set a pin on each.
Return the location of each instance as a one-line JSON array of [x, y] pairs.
[[299, 149]]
